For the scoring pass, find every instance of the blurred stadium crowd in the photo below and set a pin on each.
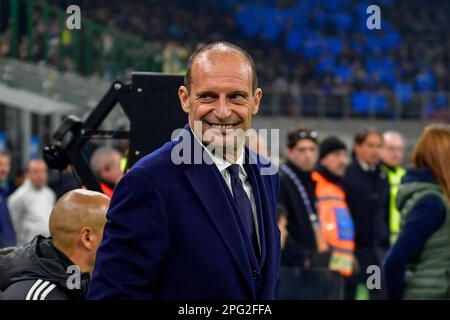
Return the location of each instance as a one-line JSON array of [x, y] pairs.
[[316, 47]]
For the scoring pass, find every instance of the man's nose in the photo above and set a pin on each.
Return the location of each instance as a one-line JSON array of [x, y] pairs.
[[223, 110]]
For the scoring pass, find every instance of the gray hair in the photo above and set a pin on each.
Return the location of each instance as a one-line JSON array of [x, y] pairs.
[[219, 45], [101, 158]]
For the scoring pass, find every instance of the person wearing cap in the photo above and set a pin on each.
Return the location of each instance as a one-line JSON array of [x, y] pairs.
[[305, 253], [333, 210]]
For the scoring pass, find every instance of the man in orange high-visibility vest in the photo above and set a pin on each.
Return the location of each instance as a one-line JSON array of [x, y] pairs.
[[334, 215]]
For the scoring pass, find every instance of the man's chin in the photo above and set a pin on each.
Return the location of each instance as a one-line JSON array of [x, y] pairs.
[[219, 137], [222, 144]]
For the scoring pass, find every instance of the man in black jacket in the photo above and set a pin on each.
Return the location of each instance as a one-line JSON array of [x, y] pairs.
[[367, 191], [58, 268], [305, 257], [301, 154]]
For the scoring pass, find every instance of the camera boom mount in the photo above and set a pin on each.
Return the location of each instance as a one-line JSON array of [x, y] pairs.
[[70, 137]]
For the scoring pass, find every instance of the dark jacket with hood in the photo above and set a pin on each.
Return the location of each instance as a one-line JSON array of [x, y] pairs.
[[300, 249], [39, 271]]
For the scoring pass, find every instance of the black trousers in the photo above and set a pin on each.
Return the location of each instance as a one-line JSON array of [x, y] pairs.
[[309, 284]]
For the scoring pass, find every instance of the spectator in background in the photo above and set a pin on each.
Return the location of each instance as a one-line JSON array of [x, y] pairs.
[[7, 233], [367, 191], [105, 163], [335, 219], [392, 154], [39, 271], [5, 42], [6, 184], [305, 248], [174, 58], [30, 205], [301, 154], [418, 264]]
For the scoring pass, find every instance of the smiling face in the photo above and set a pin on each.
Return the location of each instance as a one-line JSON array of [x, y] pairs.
[[393, 149], [220, 97], [369, 150]]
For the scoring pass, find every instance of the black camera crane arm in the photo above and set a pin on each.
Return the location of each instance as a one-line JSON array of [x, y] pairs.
[[70, 137]]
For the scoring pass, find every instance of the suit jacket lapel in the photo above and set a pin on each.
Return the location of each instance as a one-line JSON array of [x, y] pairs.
[[261, 204], [205, 180]]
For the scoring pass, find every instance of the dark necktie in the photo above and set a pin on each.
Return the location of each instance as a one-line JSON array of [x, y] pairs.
[[243, 204]]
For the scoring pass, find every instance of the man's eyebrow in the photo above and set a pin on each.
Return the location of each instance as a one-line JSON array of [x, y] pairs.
[[207, 93], [242, 93]]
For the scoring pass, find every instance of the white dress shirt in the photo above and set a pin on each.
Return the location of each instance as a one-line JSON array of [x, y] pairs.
[[222, 165], [30, 210], [365, 166]]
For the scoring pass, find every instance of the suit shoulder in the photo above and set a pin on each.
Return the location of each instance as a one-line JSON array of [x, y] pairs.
[[156, 159], [18, 194], [265, 165], [154, 169], [351, 170]]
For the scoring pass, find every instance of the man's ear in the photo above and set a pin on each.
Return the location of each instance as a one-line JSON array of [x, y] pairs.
[[287, 153], [322, 162], [86, 238], [357, 148], [258, 96], [183, 95]]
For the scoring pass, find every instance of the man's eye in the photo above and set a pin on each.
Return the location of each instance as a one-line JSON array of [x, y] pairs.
[[237, 97]]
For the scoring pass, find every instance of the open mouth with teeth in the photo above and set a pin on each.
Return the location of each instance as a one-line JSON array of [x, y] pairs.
[[221, 126]]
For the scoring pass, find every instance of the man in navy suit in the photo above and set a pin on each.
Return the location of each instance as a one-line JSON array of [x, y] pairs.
[[179, 228]]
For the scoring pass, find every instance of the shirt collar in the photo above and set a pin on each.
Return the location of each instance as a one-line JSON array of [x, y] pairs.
[[221, 163], [365, 166]]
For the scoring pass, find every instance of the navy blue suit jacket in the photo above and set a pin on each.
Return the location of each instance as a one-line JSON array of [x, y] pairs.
[[171, 234]]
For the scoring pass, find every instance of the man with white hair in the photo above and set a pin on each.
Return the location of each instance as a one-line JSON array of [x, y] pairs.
[[391, 155], [105, 163]]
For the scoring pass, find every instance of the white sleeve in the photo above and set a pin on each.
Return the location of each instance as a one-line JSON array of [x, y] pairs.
[[16, 211]]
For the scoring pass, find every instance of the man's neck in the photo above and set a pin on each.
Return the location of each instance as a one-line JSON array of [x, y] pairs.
[[231, 156], [108, 184], [390, 167], [72, 256], [37, 188], [79, 261], [299, 171], [365, 166], [329, 175]]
